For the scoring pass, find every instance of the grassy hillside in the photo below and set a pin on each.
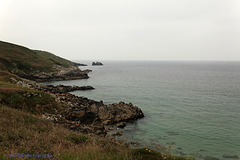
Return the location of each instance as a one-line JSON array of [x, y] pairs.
[[54, 59], [22, 132], [21, 60]]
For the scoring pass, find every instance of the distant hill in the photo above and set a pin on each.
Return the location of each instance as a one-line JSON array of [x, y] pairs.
[[34, 64]]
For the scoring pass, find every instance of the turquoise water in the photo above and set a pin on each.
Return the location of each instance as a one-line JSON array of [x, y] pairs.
[[194, 107]]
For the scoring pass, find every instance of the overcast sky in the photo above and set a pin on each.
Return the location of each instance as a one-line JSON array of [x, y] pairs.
[[125, 29]]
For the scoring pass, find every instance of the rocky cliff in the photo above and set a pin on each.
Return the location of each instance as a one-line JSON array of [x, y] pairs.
[[60, 73], [83, 114]]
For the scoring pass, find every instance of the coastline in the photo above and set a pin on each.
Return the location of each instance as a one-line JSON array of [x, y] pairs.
[[35, 111], [83, 114], [22, 68]]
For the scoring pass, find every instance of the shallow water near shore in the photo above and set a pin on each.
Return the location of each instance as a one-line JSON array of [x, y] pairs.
[[194, 107]]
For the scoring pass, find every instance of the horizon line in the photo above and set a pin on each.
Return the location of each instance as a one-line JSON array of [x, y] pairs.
[[93, 60]]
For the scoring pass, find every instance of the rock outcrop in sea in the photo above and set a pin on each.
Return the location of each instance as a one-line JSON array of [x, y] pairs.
[[97, 63]]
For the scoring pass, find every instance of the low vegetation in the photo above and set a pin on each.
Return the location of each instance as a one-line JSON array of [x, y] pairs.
[[23, 132], [25, 99], [22, 61], [54, 59]]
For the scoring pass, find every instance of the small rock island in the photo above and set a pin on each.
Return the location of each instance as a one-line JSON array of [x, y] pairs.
[[97, 63]]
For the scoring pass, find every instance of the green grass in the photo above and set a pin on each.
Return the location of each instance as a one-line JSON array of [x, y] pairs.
[[23, 61], [54, 59], [14, 96], [33, 104], [15, 58], [148, 154], [76, 138], [22, 132]]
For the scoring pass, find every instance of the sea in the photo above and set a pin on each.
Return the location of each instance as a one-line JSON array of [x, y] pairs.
[[191, 108]]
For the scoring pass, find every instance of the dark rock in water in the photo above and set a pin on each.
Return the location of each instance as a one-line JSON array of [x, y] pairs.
[[210, 158], [179, 148], [202, 150], [121, 125], [97, 64], [231, 156]]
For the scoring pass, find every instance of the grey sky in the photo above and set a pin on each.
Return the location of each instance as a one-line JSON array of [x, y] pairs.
[[125, 29]]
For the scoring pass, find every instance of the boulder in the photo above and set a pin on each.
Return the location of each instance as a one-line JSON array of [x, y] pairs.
[[231, 156], [121, 125]]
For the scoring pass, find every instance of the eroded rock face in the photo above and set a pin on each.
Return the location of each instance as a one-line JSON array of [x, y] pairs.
[[108, 114], [61, 73], [89, 114], [117, 112]]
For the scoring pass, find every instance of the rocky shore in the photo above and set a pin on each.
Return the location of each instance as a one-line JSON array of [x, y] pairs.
[[60, 73], [63, 89], [83, 114]]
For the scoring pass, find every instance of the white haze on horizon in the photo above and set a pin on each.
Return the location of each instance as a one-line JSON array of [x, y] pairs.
[[125, 29]]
